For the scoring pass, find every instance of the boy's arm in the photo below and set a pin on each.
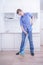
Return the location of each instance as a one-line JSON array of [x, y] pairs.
[[21, 24], [23, 30], [32, 19]]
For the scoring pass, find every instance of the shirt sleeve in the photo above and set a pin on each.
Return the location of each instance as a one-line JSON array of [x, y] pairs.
[[21, 23], [30, 15]]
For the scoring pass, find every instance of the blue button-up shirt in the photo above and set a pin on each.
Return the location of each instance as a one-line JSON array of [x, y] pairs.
[[25, 21]]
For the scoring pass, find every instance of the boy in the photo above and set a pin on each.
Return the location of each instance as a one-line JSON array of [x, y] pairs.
[[26, 26]]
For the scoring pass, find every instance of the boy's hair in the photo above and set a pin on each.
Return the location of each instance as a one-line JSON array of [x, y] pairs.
[[18, 10]]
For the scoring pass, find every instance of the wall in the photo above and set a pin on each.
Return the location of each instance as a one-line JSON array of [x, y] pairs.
[[41, 22], [10, 41], [9, 6]]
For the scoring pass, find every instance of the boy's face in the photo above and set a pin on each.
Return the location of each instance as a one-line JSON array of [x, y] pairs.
[[21, 13]]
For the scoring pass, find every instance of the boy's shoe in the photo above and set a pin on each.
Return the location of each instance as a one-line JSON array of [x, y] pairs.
[[32, 54], [17, 53], [21, 54]]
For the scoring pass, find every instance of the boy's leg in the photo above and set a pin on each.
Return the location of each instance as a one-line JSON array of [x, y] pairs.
[[22, 44], [22, 47], [31, 41]]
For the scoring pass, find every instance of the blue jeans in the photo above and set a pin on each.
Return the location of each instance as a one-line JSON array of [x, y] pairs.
[[22, 47]]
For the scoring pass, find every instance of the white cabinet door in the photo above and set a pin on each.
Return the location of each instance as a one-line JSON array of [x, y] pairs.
[[17, 41], [8, 42], [36, 41]]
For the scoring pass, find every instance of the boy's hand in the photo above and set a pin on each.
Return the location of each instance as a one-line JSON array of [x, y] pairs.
[[23, 30]]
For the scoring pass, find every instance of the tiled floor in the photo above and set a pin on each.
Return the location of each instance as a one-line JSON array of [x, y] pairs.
[[10, 58]]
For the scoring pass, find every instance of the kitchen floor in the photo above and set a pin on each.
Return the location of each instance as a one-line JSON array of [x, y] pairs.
[[10, 58]]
